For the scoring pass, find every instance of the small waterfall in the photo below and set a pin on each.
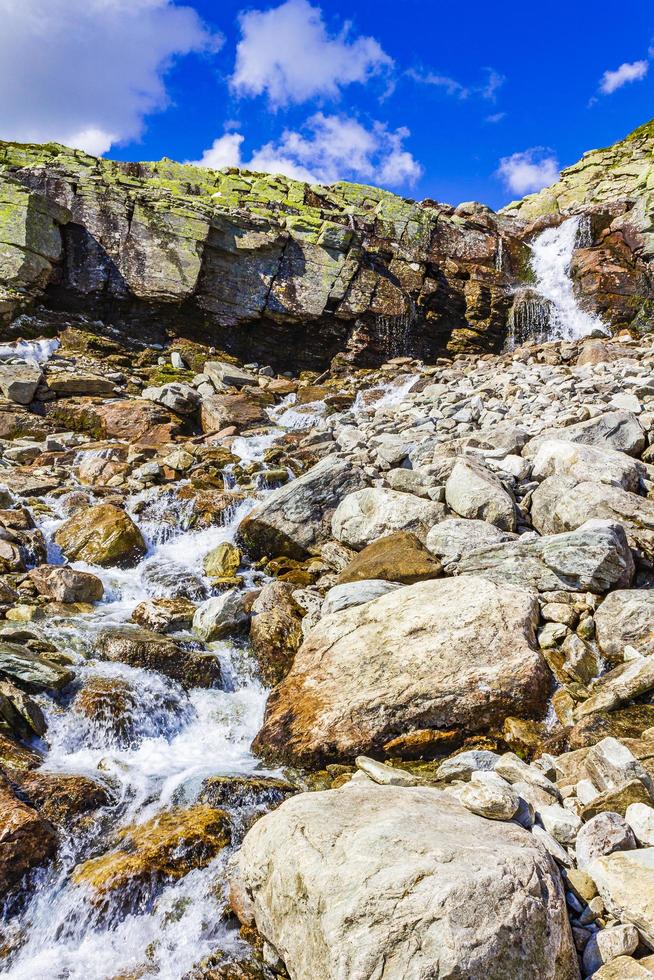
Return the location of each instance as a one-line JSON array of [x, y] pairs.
[[393, 333], [529, 319], [551, 257], [499, 255]]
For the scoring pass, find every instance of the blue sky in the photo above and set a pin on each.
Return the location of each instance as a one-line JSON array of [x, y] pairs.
[[449, 101]]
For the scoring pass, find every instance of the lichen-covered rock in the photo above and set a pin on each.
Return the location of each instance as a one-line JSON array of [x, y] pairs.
[[458, 896], [399, 557], [101, 535], [275, 630], [443, 653]]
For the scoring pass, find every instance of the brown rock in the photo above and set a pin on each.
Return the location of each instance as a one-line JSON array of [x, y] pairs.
[[63, 584], [101, 535], [26, 839], [164, 615], [398, 557], [275, 631], [426, 743], [219, 411], [139, 421], [61, 798], [150, 650]]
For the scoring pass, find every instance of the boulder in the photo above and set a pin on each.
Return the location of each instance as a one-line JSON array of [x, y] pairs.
[[603, 834], [365, 515], [62, 798], [595, 558], [351, 594], [222, 562], [27, 840], [640, 817], [137, 420], [222, 615], [458, 896], [224, 373], [101, 535], [220, 411], [489, 796], [399, 557], [18, 382], [164, 615], [33, 670], [275, 631], [586, 464], [180, 398], [625, 880], [295, 519], [454, 537], [623, 683], [473, 491], [620, 431], [560, 504], [623, 968], [448, 652], [151, 651], [63, 584], [625, 618], [607, 945]]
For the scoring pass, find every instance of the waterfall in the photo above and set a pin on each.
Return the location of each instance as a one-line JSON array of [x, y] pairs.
[[551, 257]]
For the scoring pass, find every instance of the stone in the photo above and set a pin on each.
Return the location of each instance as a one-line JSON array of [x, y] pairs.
[[607, 944], [101, 535], [562, 824], [223, 373], [384, 775], [220, 411], [625, 618], [454, 537], [474, 492], [621, 684], [616, 800], [18, 382], [611, 764], [63, 584], [619, 431], [586, 463], [137, 420], [628, 722], [151, 651], [164, 615], [552, 846], [625, 880], [180, 398], [464, 764], [623, 968], [440, 653], [33, 670], [27, 840], [413, 900], [222, 561], [603, 834], [62, 798], [489, 797], [594, 558], [221, 616], [296, 518], [245, 791], [514, 770], [640, 817], [350, 594], [366, 515], [275, 631], [399, 557], [164, 848]]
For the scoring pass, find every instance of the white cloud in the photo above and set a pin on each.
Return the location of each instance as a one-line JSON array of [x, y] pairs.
[[455, 88], [633, 71], [329, 148], [529, 171], [288, 54], [496, 117], [87, 72]]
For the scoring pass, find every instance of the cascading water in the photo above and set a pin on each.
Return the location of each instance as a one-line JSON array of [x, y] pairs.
[[550, 310]]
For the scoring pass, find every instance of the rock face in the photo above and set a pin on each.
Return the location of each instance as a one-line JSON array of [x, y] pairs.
[[443, 653], [459, 897]]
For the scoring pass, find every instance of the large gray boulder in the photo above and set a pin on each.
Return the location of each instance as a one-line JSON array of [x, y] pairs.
[[18, 382], [365, 515], [626, 618], [594, 558], [561, 504], [440, 654], [556, 457], [394, 881], [617, 430], [296, 518], [456, 536], [473, 491]]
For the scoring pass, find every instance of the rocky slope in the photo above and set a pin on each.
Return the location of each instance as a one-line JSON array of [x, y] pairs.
[[261, 265]]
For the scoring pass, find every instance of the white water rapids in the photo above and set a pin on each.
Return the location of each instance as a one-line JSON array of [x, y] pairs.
[[176, 740]]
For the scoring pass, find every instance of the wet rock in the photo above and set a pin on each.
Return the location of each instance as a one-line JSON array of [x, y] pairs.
[[63, 584], [20, 715], [625, 618], [399, 557], [628, 722], [223, 561], [366, 515], [164, 848], [594, 558], [245, 791], [603, 834], [222, 615], [27, 840], [62, 798], [151, 651], [296, 518], [15, 759], [275, 631], [164, 615], [454, 873], [36, 672], [474, 492], [172, 579], [436, 654], [101, 535]]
